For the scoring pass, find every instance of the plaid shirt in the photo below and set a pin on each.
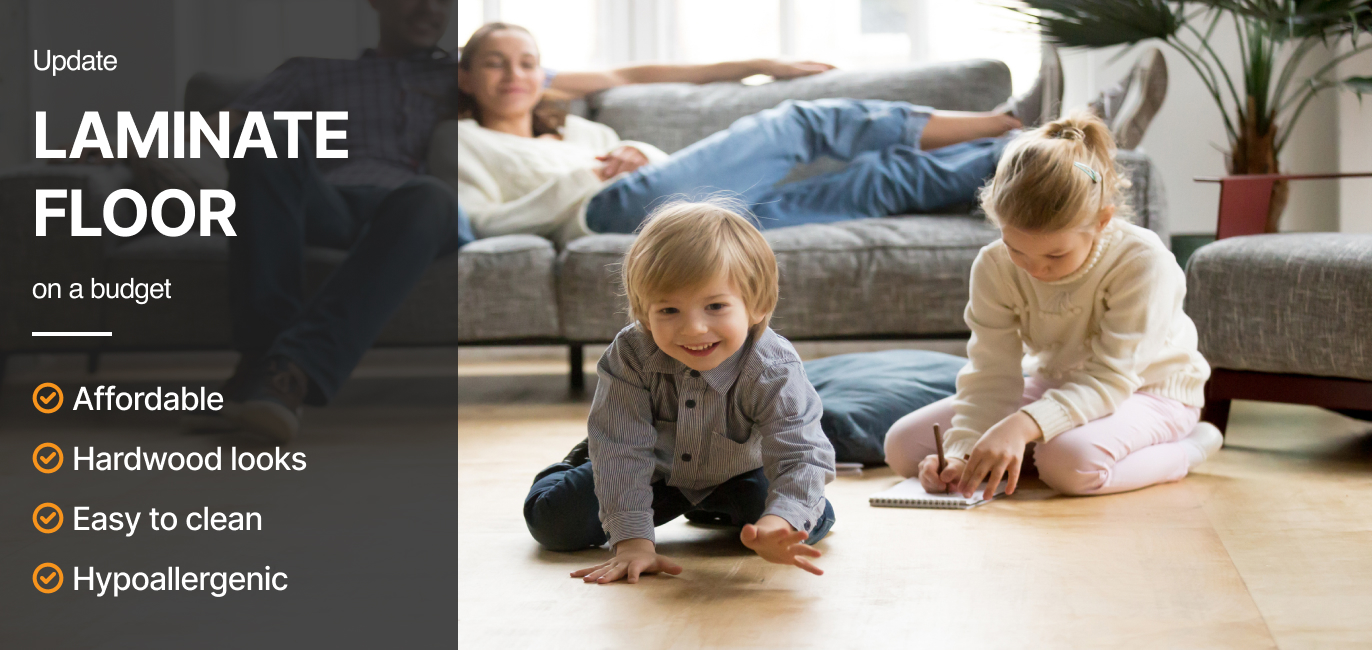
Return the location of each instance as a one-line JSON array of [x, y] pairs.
[[392, 104], [654, 419]]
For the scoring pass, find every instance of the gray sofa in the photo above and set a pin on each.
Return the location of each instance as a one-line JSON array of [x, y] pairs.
[[900, 277]]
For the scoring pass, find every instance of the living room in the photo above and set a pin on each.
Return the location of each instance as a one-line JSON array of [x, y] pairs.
[[657, 308], [1208, 561]]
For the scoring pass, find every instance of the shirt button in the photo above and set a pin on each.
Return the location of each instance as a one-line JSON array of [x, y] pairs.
[[695, 373], [686, 457], [807, 525], [690, 403]]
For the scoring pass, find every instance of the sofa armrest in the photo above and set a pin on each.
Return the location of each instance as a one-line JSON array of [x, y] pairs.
[[26, 259], [1146, 194]]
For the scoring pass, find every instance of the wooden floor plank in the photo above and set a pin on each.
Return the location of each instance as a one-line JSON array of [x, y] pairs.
[[1264, 548]]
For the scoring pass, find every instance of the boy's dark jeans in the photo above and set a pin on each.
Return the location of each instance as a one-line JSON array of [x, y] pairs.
[[284, 204], [563, 514]]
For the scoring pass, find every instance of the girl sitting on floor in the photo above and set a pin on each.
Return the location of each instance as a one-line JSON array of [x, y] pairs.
[[1090, 308]]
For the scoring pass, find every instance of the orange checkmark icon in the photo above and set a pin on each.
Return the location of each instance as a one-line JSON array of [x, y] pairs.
[[49, 403], [41, 584], [40, 462], [42, 522]]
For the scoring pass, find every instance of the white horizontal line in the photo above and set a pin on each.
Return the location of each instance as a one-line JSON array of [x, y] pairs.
[[73, 333]]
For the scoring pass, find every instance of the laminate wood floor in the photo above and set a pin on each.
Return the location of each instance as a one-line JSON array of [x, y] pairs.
[[1267, 545]]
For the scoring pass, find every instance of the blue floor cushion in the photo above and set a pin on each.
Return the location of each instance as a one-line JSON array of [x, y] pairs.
[[864, 394]]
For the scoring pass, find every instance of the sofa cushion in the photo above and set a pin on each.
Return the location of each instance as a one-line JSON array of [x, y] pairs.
[[864, 394], [1286, 303], [199, 315], [672, 116], [505, 290], [899, 276]]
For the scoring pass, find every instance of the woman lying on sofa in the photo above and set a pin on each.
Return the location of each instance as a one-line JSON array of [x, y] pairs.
[[521, 165]]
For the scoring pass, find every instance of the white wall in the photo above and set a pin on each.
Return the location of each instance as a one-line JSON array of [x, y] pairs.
[[1187, 138], [1355, 150]]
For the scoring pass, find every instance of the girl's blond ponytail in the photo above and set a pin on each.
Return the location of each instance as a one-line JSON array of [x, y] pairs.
[[1056, 177]]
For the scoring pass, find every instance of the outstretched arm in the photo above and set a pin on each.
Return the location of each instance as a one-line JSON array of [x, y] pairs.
[[578, 84]]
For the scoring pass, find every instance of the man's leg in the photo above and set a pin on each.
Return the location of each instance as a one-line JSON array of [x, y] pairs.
[[410, 227], [897, 180], [757, 152], [282, 202]]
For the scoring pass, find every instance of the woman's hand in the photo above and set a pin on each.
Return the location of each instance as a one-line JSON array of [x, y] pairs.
[[792, 69], [621, 160], [940, 483], [775, 541], [632, 558], [999, 453]]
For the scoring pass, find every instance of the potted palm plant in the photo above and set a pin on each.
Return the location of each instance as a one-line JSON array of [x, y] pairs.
[[1261, 102]]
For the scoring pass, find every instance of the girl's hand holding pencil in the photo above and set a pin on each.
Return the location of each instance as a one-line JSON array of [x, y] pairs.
[[936, 482], [999, 454]]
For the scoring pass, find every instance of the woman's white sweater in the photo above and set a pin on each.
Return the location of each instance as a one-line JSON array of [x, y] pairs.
[[1112, 328], [509, 184]]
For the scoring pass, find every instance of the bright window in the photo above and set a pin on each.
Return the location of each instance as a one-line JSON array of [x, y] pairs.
[[566, 30], [708, 31], [852, 34]]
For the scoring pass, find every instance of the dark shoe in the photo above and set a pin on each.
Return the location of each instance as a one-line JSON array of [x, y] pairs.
[[234, 390], [1129, 106], [1042, 103], [579, 454], [275, 395]]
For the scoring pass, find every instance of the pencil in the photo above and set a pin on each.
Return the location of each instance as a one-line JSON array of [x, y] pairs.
[[938, 446]]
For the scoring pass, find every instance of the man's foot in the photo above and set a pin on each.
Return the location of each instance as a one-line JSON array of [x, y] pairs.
[[1042, 103], [1203, 442], [579, 454], [1129, 106], [234, 390], [276, 394]]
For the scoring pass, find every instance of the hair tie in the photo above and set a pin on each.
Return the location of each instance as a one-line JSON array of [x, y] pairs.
[[1095, 178], [1070, 133]]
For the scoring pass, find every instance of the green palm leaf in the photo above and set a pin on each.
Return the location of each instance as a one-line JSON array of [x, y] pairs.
[[1096, 23]]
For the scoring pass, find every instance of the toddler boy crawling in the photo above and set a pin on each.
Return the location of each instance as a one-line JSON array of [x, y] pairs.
[[700, 409]]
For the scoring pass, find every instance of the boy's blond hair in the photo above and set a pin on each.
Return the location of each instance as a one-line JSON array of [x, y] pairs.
[[683, 245], [1056, 177]]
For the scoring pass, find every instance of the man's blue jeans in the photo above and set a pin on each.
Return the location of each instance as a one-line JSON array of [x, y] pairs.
[[392, 235], [887, 173], [563, 514]]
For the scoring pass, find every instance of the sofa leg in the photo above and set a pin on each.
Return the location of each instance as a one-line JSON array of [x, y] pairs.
[[1216, 412], [576, 358]]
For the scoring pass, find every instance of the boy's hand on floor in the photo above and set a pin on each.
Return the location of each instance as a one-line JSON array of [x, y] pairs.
[[936, 483], [775, 541], [633, 557], [999, 454]]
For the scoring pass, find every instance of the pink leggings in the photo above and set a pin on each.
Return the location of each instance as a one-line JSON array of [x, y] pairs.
[[1135, 447]]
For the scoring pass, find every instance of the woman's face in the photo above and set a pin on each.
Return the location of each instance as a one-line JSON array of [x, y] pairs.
[[505, 77]]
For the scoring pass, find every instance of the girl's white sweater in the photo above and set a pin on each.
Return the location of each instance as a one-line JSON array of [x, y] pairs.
[[1112, 328]]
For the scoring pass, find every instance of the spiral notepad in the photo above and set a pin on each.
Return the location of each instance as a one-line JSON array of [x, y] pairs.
[[910, 494]]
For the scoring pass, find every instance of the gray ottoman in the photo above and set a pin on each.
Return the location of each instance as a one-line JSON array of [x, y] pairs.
[[1284, 318]]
